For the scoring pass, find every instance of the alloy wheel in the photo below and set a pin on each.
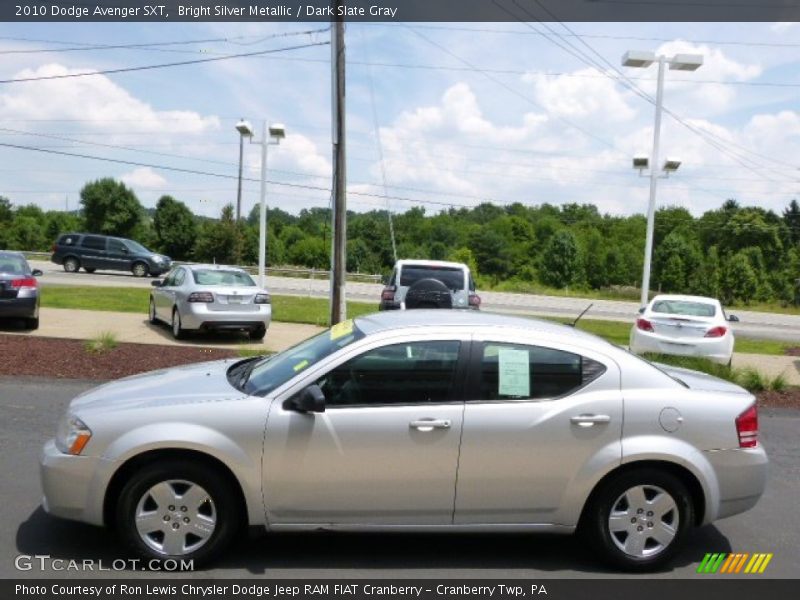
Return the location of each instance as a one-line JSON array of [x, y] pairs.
[[644, 521]]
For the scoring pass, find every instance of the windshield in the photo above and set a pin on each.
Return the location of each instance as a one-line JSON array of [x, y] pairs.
[[137, 247], [684, 307], [268, 374], [452, 277], [221, 277]]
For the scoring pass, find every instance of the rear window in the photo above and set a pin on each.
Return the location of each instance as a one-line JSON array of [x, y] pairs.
[[221, 277], [14, 265], [452, 277], [684, 307]]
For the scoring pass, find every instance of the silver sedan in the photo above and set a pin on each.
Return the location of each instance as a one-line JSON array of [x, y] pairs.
[[210, 298], [412, 421]]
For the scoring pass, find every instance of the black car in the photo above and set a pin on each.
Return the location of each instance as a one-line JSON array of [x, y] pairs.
[[19, 290], [92, 252]]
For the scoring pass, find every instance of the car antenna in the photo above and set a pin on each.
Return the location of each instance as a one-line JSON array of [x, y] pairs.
[[585, 310]]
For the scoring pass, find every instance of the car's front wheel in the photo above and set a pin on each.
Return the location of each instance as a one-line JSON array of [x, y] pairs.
[[638, 520], [177, 510], [139, 269], [151, 313]]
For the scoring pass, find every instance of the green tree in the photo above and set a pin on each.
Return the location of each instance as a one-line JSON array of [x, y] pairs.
[[791, 218], [561, 263], [175, 228], [109, 207], [738, 281], [216, 241], [491, 251], [310, 252]]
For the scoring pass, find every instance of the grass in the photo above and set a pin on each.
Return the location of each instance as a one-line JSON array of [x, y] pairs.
[[302, 309], [104, 342], [748, 377]]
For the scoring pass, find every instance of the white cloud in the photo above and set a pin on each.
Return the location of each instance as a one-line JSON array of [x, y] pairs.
[[144, 177], [783, 26]]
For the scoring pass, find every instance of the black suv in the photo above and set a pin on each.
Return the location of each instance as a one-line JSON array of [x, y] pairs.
[[92, 252]]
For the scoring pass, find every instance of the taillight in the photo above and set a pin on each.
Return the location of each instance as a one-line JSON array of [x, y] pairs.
[[53, 249], [474, 300], [644, 325], [262, 299], [25, 283], [747, 427], [717, 331], [201, 297], [388, 294]]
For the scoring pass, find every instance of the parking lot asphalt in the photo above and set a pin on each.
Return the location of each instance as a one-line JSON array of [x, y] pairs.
[[31, 408]]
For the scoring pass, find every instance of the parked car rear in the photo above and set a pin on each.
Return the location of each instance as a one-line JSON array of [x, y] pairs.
[[91, 252], [429, 284], [19, 290]]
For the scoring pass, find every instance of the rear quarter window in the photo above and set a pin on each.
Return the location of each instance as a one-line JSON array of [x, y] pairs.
[[68, 240]]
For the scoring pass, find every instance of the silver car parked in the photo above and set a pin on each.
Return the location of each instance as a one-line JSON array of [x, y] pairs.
[[412, 421], [210, 298]]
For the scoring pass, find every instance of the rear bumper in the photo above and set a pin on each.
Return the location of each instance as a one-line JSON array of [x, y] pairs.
[[24, 308], [716, 349], [742, 478], [198, 316]]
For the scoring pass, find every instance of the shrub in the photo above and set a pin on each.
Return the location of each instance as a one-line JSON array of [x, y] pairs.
[[104, 342]]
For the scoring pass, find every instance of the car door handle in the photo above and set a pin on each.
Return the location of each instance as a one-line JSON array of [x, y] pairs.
[[430, 424], [589, 420]]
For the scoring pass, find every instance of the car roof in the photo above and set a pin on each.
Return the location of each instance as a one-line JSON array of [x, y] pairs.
[[685, 298], [405, 262], [194, 267], [401, 319], [8, 253]]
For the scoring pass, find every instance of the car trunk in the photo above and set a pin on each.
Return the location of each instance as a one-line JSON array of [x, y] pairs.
[[680, 328], [697, 380], [234, 299]]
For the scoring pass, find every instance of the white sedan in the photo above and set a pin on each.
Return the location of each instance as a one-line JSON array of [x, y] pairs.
[[684, 326]]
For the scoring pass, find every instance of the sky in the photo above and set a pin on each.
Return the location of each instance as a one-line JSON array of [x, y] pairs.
[[438, 115]]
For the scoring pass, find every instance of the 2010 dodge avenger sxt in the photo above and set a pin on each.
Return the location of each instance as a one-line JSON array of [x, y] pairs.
[[412, 421]]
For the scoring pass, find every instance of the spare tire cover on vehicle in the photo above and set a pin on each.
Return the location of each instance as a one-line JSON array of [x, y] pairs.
[[428, 293]]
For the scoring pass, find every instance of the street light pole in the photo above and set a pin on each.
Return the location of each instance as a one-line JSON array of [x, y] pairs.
[[651, 206], [262, 227], [239, 185]]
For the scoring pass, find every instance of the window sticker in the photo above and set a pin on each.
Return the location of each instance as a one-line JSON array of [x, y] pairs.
[[341, 329], [300, 366], [514, 373]]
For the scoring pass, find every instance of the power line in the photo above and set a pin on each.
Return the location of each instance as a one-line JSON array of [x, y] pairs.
[[163, 65]]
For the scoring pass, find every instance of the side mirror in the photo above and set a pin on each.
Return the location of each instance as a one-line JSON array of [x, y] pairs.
[[156, 283], [733, 318], [641, 310], [310, 400], [37, 273]]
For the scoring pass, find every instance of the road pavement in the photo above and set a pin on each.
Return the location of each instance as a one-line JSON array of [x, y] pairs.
[[31, 408], [753, 324]]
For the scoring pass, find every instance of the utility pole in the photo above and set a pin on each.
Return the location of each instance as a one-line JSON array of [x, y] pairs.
[[338, 253]]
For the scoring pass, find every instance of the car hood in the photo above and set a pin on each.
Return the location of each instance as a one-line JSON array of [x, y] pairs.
[[189, 384], [698, 380]]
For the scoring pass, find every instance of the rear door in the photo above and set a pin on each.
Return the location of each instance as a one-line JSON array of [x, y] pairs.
[[118, 256], [539, 420], [93, 252]]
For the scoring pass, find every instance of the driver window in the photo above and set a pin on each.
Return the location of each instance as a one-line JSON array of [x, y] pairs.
[[410, 373], [169, 280]]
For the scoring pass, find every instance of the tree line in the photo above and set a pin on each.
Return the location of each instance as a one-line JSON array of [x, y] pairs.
[[740, 254]]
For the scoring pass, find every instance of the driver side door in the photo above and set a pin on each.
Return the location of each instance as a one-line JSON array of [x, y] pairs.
[[384, 451]]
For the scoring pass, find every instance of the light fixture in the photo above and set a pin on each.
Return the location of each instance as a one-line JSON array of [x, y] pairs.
[[686, 62], [671, 165], [641, 162], [635, 58], [244, 128]]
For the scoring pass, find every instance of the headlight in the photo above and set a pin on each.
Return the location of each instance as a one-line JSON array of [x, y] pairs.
[[72, 435]]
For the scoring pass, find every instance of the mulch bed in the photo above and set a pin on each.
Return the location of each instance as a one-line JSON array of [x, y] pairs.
[[793, 351], [53, 357]]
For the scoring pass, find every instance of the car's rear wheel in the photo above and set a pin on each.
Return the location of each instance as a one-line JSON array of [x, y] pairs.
[[638, 520], [139, 269], [32, 323], [89, 269], [178, 510], [71, 264], [258, 333], [151, 313], [178, 332]]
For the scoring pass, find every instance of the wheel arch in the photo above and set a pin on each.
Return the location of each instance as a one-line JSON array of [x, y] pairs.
[[123, 474], [689, 479]]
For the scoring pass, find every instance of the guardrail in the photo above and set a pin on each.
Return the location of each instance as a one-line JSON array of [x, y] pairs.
[[273, 271]]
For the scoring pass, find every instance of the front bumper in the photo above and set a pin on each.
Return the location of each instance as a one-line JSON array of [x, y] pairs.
[[196, 315], [68, 485]]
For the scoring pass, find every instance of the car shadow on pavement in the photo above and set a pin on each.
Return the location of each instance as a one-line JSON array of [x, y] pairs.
[[13, 325], [260, 554], [200, 338]]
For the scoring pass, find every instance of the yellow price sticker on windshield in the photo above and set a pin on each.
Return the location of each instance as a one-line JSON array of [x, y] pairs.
[[300, 366], [341, 329]]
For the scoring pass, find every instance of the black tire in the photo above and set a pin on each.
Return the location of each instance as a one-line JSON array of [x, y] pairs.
[[151, 313], [428, 293], [72, 264], [595, 523], [32, 323], [219, 512], [139, 269], [258, 333], [178, 332], [89, 269]]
